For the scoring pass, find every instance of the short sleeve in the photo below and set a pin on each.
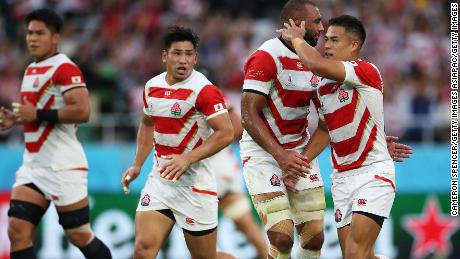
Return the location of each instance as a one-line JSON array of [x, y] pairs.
[[259, 72], [210, 102], [362, 74], [68, 76], [145, 108]]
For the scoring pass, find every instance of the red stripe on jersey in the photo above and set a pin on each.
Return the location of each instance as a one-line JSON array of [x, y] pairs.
[[362, 157], [386, 180], [200, 141], [368, 74], [204, 192], [260, 66], [351, 145], [292, 64], [34, 147], [329, 88], [294, 98], [163, 150], [344, 115], [286, 126], [37, 70], [167, 93], [168, 125], [288, 145], [30, 127]]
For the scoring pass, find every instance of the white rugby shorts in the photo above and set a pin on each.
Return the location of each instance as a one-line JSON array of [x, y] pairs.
[[194, 209], [263, 175], [62, 187], [228, 172], [368, 189]]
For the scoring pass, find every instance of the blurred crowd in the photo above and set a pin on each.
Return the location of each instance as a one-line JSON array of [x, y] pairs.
[[117, 44]]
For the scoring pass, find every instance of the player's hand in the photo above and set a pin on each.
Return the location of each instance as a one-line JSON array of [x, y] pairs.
[[398, 151], [174, 167], [7, 119], [292, 31], [290, 183], [293, 164], [26, 111], [128, 176]]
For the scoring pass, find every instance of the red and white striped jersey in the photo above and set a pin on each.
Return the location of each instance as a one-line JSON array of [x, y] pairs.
[[48, 144], [353, 112], [276, 71], [180, 113]]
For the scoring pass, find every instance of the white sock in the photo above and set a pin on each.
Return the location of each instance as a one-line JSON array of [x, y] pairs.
[[307, 254]]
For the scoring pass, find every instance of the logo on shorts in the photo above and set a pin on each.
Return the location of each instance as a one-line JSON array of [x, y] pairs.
[[176, 110], [145, 200], [362, 202], [338, 215], [190, 221], [314, 178], [275, 180]]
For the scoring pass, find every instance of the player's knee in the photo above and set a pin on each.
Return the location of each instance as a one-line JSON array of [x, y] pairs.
[[142, 247], [282, 241], [19, 232], [312, 235], [237, 209], [81, 236], [352, 249]]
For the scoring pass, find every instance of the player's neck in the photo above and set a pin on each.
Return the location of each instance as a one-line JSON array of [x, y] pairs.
[[51, 54]]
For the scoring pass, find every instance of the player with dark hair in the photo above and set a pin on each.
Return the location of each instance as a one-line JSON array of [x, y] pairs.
[[54, 101], [277, 93], [185, 119], [351, 96]]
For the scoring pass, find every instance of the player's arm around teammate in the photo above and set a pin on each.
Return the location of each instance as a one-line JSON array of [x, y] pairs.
[[360, 227]]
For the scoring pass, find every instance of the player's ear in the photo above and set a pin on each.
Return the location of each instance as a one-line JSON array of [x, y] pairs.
[[355, 45], [55, 37], [164, 54]]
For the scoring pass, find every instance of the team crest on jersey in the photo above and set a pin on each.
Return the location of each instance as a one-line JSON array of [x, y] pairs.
[[36, 83], [343, 96], [145, 200], [275, 180], [314, 81], [176, 110], [338, 215]]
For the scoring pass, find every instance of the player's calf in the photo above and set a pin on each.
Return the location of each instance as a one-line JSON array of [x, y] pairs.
[[77, 229]]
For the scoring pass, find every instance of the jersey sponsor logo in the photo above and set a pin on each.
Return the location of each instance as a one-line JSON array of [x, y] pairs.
[[314, 81], [343, 96], [218, 107], [338, 215], [36, 83], [145, 201], [314, 178], [176, 110], [76, 79], [299, 65], [168, 93], [190, 221], [362, 202], [275, 180]]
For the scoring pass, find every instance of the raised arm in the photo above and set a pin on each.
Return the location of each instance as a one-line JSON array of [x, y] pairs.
[[318, 65]]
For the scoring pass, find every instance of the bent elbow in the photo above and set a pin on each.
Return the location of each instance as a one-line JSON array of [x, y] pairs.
[[229, 136], [84, 115]]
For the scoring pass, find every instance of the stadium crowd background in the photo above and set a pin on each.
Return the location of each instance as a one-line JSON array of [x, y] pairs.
[[117, 44]]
